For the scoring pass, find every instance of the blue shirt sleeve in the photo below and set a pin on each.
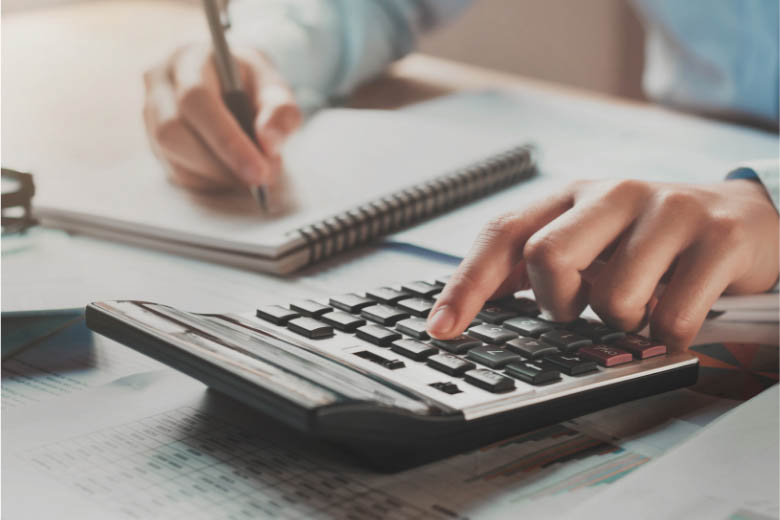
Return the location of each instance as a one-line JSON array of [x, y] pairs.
[[325, 48]]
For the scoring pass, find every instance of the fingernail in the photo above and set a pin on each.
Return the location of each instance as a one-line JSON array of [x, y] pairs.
[[253, 175], [273, 141], [441, 321]]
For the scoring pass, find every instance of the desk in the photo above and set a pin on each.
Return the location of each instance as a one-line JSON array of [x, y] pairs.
[[101, 419]]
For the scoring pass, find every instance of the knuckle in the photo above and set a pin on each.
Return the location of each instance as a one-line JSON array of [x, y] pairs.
[[678, 203], [542, 252], [192, 99], [625, 188], [675, 326], [617, 306], [501, 227], [168, 132]]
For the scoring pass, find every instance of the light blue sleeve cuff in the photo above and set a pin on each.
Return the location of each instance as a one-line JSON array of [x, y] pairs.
[[767, 171]]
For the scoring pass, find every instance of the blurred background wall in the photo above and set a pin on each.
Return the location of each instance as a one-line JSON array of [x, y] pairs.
[[595, 44]]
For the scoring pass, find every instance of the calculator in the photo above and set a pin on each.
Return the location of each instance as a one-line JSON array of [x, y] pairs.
[[359, 369]]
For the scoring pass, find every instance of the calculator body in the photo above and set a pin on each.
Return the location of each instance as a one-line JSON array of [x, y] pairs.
[[392, 412]]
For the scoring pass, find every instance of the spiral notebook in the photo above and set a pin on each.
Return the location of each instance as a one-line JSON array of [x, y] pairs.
[[350, 176]]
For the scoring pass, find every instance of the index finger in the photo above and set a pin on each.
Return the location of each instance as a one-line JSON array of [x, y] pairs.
[[201, 105], [494, 256]]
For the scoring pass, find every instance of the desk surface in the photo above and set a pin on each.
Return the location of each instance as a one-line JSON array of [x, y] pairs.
[[73, 375]]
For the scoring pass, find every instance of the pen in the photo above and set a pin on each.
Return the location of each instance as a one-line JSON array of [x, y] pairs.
[[234, 96]]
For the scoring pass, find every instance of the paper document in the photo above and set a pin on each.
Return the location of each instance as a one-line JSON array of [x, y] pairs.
[[162, 446], [71, 360], [727, 471]]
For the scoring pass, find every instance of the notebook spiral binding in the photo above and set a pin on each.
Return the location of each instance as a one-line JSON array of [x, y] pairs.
[[413, 204]]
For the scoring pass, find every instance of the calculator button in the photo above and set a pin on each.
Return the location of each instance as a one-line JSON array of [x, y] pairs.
[[492, 333], [493, 313], [640, 347], [489, 380], [416, 306], [605, 355], [388, 295], [522, 306], [412, 349], [310, 328], [351, 302], [377, 335], [383, 314], [450, 364], [457, 345], [446, 387], [424, 289], [276, 314], [414, 327], [528, 326], [571, 365], [598, 332], [565, 340], [532, 372], [391, 364], [442, 280], [343, 320], [493, 357], [310, 308], [530, 348]]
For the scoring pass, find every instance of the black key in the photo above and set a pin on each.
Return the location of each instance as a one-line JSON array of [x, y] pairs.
[[571, 365], [528, 326], [494, 357], [416, 306], [565, 340], [489, 380], [388, 295], [391, 364], [377, 335], [413, 349], [530, 348], [442, 280], [532, 372], [310, 308], [276, 314], [492, 333], [457, 345], [351, 302], [522, 306], [343, 320], [414, 327], [493, 313], [423, 289], [598, 332], [450, 364], [383, 314], [446, 387], [310, 328]]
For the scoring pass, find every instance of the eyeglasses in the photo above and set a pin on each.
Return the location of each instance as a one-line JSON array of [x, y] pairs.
[[17, 193]]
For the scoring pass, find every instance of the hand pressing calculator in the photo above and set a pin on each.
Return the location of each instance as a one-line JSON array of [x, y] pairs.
[[360, 370]]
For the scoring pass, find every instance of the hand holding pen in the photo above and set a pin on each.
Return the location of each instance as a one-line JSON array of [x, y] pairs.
[[190, 119]]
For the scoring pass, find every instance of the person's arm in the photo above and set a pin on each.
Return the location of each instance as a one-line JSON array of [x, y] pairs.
[[291, 54], [325, 48], [635, 251], [765, 170]]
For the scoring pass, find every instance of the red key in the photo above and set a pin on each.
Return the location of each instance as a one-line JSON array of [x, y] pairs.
[[605, 355], [641, 348]]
